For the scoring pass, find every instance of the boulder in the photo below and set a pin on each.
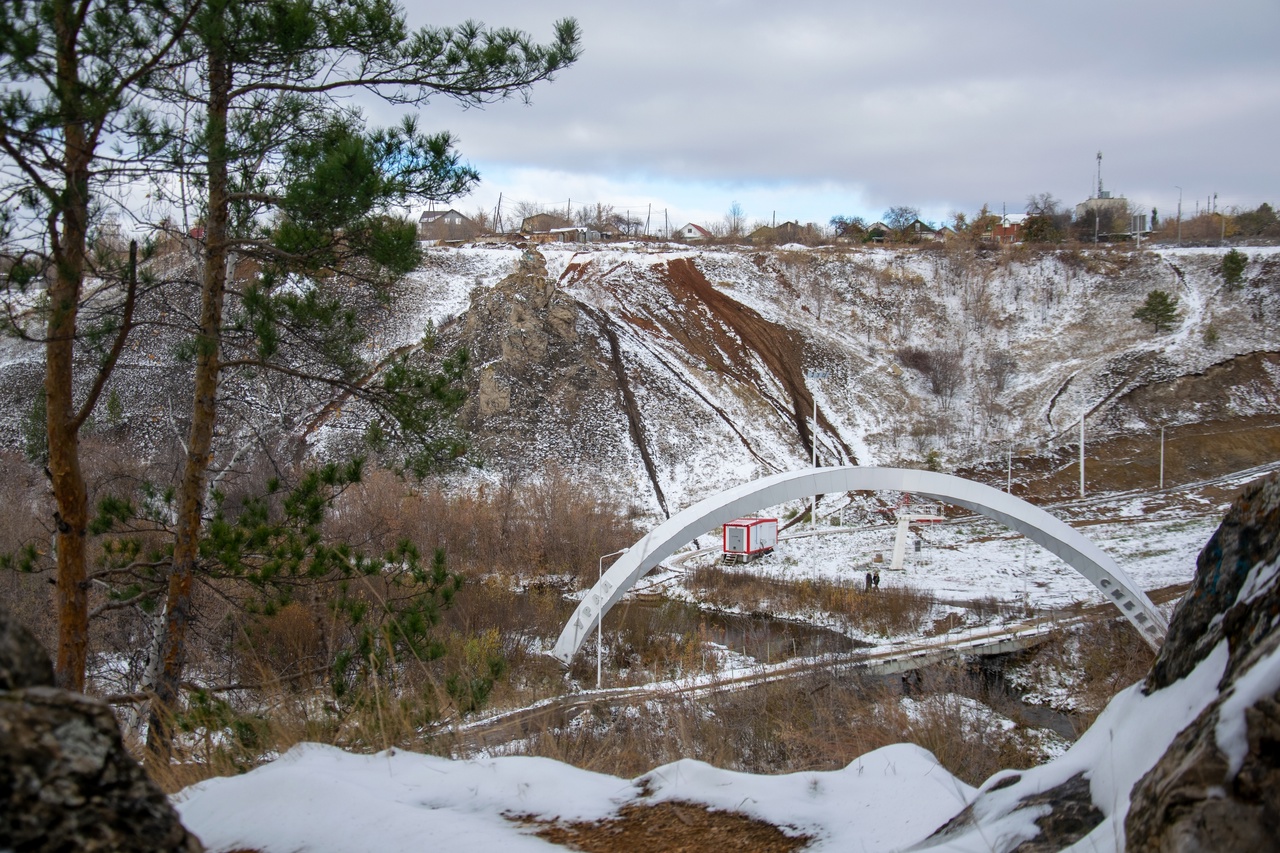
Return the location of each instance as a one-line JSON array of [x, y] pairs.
[[66, 780], [1217, 787]]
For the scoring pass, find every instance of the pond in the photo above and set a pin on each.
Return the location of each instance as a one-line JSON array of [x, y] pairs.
[[760, 636]]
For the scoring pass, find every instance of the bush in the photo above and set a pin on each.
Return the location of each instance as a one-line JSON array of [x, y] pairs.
[[1233, 264], [944, 368]]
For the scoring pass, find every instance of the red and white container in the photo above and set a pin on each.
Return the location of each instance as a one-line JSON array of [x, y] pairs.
[[746, 539]]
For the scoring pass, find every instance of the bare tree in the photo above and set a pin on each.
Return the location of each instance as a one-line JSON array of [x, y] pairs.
[[481, 218], [1046, 222], [735, 221], [899, 219], [943, 367], [1043, 204], [1001, 366], [629, 225], [849, 227]]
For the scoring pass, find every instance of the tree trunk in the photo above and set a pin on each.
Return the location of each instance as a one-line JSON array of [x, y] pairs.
[[68, 227], [191, 494]]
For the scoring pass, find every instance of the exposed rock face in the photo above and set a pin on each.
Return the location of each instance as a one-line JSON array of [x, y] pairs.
[[513, 329], [66, 782], [545, 391], [1218, 786], [1248, 538], [23, 662], [1067, 815]]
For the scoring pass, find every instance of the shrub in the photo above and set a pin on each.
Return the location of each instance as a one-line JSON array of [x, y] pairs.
[[1233, 264]]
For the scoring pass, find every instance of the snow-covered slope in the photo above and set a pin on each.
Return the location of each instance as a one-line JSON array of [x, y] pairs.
[[672, 372], [693, 370]]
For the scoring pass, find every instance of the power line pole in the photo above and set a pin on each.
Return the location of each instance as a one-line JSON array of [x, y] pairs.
[[1179, 189], [1161, 456], [1082, 454]]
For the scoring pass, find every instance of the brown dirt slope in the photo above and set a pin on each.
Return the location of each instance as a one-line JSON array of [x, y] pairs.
[[740, 332]]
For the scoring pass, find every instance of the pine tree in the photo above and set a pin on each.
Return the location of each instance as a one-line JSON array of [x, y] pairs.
[[1233, 265], [70, 73], [294, 182], [1160, 310]]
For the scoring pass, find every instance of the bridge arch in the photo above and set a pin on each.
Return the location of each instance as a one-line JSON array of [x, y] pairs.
[[1037, 525]]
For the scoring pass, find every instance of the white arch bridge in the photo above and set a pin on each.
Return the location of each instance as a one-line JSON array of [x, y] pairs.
[[1037, 525]]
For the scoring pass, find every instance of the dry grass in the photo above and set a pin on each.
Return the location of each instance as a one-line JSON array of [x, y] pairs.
[[272, 668], [885, 611], [670, 827], [818, 722]]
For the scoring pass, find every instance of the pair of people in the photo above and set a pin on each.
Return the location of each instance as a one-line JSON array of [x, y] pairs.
[[873, 579]]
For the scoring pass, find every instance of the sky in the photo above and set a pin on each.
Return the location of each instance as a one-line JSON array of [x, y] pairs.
[[809, 110]]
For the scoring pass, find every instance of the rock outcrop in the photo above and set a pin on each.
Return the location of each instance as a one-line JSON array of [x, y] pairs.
[[1190, 759], [1218, 785], [544, 392], [66, 781]]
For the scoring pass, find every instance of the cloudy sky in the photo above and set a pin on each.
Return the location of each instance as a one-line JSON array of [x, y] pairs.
[[809, 109]]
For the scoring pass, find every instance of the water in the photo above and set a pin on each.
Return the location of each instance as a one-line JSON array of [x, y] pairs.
[[764, 638]]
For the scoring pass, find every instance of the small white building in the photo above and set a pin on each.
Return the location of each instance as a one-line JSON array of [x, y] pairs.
[[693, 233]]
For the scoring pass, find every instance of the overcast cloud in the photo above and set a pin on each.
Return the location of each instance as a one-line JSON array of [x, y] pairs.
[[805, 110]]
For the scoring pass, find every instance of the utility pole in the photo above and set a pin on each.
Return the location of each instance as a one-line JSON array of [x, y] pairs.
[[1162, 456], [1179, 189], [600, 618], [1081, 454]]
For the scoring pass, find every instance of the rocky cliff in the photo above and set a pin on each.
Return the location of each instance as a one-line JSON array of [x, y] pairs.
[[1188, 760]]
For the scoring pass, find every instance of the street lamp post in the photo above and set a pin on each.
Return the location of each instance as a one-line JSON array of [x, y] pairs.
[[600, 617], [1008, 480], [813, 438]]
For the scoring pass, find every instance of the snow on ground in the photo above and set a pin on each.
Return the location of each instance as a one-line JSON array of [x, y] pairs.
[[974, 558], [318, 798]]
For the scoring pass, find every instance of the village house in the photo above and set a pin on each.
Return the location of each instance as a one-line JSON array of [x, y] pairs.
[[446, 226], [543, 223], [1009, 229], [692, 233], [787, 232]]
